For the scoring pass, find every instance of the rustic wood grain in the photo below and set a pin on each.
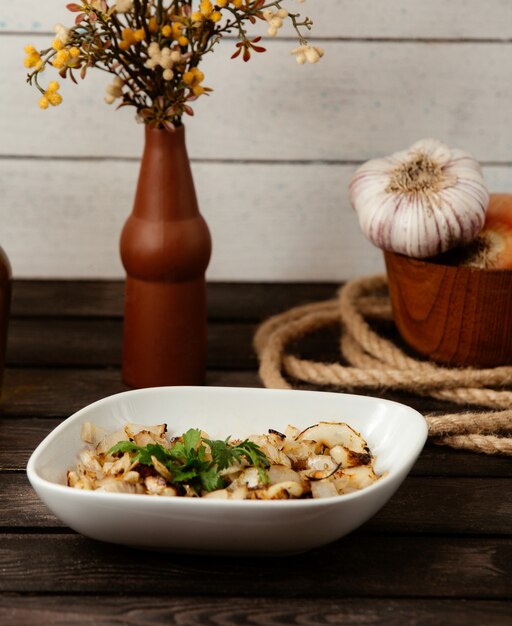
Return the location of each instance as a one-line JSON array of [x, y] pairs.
[[378, 566], [100, 610], [93, 342], [104, 298], [46, 392], [446, 62], [339, 18], [359, 104], [440, 552], [70, 298], [97, 343], [58, 392], [460, 316], [300, 244], [422, 505]]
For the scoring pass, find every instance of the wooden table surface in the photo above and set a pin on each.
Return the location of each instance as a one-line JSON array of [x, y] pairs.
[[439, 553]]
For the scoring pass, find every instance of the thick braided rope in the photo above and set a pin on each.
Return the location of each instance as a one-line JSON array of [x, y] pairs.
[[377, 363]]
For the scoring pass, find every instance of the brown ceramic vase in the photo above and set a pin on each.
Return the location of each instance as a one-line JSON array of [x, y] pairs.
[[165, 249], [458, 316], [5, 305]]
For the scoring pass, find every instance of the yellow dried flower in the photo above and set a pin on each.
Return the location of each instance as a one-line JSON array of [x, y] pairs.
[[61, 58], [54, 98], [33, 58], [206, 12], [139, 34], [153, 25], [128, 38], [193, 79], [143, 43], [177, 33], [51, 96]]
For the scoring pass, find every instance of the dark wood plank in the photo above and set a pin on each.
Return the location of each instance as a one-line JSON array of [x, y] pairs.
[[55, 392], [60, 392], [19, 438], [95, 298], [421, 505], [443, 461], [206, 611], [445, 534], [256, 301], [358, 565], [448, 505], [76, 343], [65, 342], [97, 343], [20, 504], [73, 298]]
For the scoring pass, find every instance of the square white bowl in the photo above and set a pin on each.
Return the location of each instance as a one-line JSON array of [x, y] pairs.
[[394, 432]]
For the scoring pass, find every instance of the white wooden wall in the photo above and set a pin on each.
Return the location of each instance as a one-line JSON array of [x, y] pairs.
[[273, 148]]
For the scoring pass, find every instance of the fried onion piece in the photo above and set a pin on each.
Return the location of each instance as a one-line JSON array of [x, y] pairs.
[[326, 459]]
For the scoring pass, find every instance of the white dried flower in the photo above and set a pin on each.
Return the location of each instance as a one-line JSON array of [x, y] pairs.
[[163, 57], [274, 20], [114, 90], [311, 54], [61, 33]]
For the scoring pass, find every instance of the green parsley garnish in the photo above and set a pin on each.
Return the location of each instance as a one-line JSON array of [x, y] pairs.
[[188, 462]]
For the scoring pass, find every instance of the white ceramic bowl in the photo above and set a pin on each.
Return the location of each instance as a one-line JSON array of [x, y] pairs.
[[395, 433]]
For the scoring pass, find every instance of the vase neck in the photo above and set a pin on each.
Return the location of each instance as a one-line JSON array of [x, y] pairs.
[[165, 190]]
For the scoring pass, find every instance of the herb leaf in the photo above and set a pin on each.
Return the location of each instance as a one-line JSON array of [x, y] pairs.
[[123, 446], [188, 462], [210, 479], [191, 440], [222, 454], [252, 452]]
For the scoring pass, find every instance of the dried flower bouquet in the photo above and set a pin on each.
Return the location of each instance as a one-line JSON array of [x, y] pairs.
[[153, 49]]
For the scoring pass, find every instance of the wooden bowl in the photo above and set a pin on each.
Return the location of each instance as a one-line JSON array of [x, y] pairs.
[[458, 316]]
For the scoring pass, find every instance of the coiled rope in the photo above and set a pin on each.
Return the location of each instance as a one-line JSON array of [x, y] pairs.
[[376, 363]]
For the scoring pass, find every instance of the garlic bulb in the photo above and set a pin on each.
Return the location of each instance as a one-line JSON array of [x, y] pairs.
[[422, 201]]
